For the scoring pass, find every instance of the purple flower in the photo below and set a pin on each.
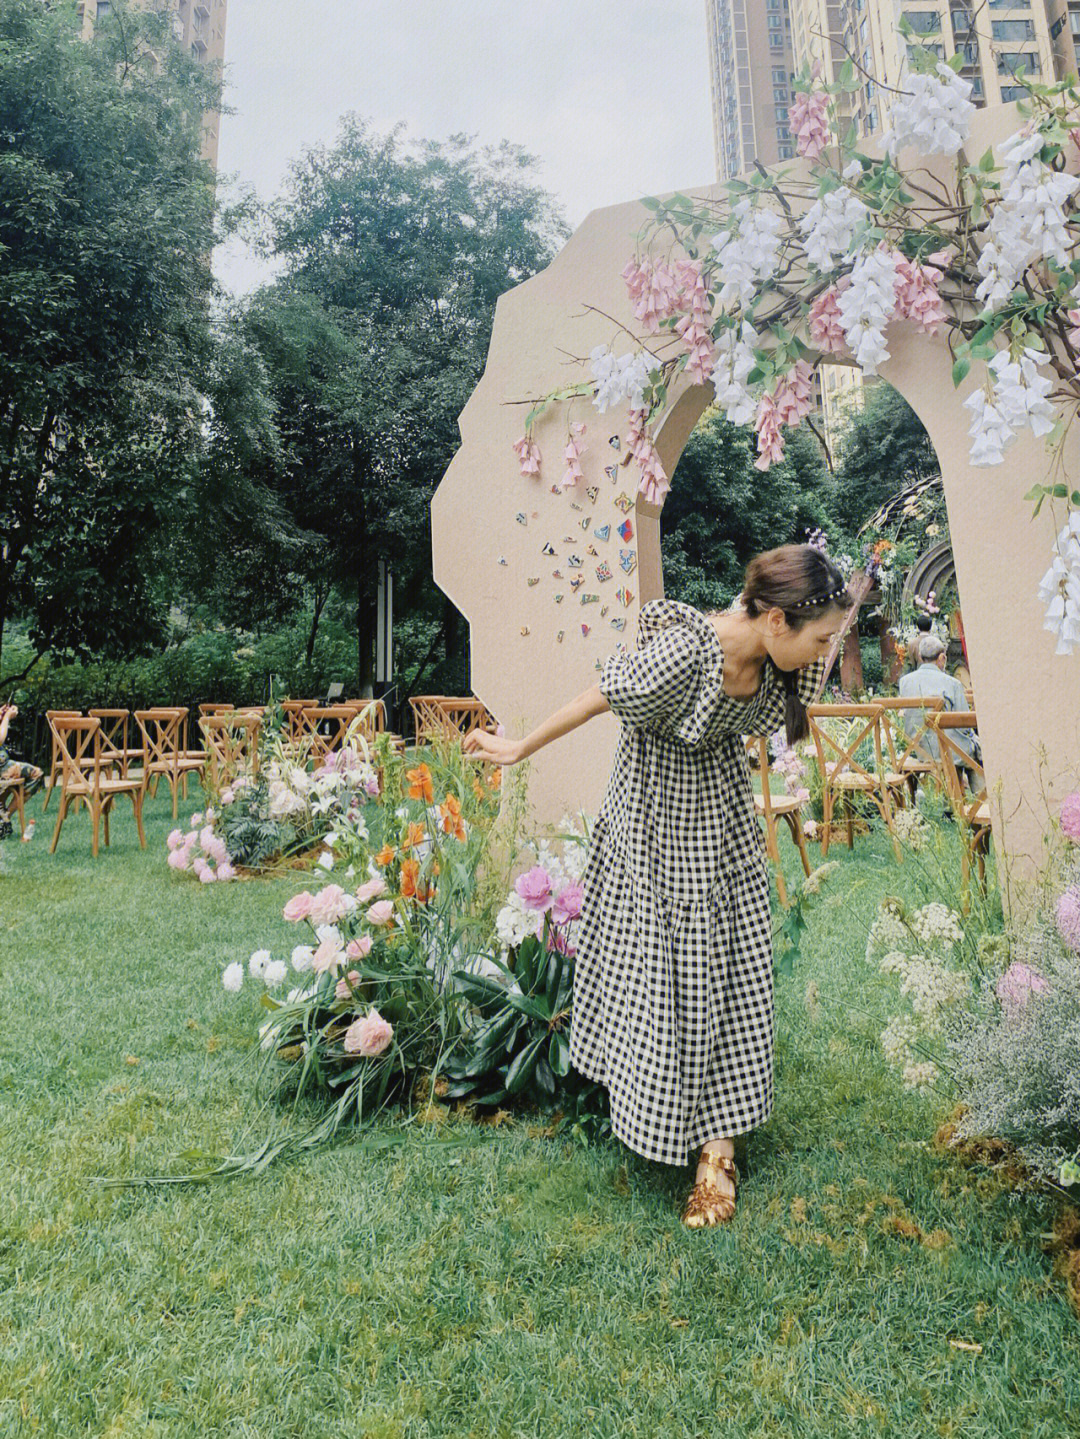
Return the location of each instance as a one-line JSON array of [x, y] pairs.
[[567, 903], [534, 887], [1018, 981]]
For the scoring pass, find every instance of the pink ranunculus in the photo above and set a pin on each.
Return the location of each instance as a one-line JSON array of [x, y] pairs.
[[371, 786], [358, 948], [206, 875], [227, 796], [329, 905], [534, 887], [368, 1036], [176, 839], [206, 838], [1017, 983], [371, 889], [567, 903], [199, 865], [803, 795], [299, 907], [344, 987], [218, 851], [191, 840], [327, 956], [178, 859], [381, 912], [1070, 816], [560, 943], [226, 870], [196, 819]]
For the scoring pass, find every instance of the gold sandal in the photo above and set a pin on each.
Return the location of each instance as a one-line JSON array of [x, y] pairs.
[[706, 1199]]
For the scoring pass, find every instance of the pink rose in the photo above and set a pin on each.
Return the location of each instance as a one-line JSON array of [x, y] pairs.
[[199, 865], [299, 907], [329, 905], [191, 840], [534, 887], [206, 875], [345, 987], [226, 871], [176, 838], [381, 912], [561, 945], [218, 851], [326, 957], [372, 889], [371, 785], [359, 948], [206, 838], [368, 1036], [178, 859], [567, 903], [1070, 815]]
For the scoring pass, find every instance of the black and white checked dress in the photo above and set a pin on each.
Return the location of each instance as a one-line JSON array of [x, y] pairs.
[[673, 981]]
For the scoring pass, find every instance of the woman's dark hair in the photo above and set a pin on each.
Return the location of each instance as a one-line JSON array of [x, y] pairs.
[[804, 583]]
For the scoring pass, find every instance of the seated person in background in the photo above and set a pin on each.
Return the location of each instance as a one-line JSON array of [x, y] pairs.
[[30, 775], [930, 679]]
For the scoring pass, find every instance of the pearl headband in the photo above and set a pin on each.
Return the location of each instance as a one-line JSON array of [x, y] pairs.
[[840, 594]]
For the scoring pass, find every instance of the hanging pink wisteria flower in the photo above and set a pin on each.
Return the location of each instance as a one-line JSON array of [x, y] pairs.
[[823, 323], [1073, 317], [575, 448], [654, 289], [694, 329], [917, 295], [769, 439], [809, 122], [528, 454], [654, 483], [794, 394]]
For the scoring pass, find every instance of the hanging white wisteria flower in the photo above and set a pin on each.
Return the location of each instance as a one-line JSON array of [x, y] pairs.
[[1029, 221], [830, 225], [620, 378], [1060, 588], [747, 252], [933, 114], [867, 305], [1018, 397], [734, 361]]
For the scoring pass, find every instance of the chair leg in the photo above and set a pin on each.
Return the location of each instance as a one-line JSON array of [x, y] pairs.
[[95, 812], [174, 785], [849, 816], [826, 822], [136, 802], [59, 822], [20, 808], [798, 835], [106, 807]]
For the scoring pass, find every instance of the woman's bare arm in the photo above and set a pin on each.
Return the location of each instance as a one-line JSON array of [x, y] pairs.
[[508, 751]]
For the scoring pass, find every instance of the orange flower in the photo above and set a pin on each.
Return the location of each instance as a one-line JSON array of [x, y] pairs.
[[478, 788], [496, 778], [410, 872], [420, 786], [415, 835], [385, 856], [424, 895], [450, 810]]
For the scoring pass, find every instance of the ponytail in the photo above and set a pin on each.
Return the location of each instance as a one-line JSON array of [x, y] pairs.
[[796, 720]]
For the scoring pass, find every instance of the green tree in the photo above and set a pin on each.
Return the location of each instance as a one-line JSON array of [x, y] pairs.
[[721, 510], [374, 337], [106, 225], [883, 449]]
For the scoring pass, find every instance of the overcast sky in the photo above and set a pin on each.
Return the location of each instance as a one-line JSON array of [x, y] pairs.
[[610, 95]]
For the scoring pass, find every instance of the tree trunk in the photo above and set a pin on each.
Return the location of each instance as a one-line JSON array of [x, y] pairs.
[[322, 594]]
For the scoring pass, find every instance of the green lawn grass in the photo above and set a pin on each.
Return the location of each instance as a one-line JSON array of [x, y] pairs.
[[505, 1284]]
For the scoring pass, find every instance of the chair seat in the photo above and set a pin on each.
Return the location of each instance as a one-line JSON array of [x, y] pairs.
[[981, 814], [912, 764], [104, 786], [778, 803], [851, 780]]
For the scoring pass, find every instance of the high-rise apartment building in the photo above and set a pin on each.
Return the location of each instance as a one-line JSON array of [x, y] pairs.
[[198, 24], [998, 41]]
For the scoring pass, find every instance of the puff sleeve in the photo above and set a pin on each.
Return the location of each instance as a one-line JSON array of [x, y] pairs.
[[655, 685]]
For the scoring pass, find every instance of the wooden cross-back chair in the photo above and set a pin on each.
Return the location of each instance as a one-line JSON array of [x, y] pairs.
[[166, 754], [372, 714], [232, 746], [335, 719], [87, 777], [114, 738], [15, 786], [448, 717], [293, 710], [843, 776], [215, 709], [914, 755], [54, 751], [770, 808], [970, 809]]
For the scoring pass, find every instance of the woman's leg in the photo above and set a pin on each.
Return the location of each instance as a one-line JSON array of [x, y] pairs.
[[726, 1147]]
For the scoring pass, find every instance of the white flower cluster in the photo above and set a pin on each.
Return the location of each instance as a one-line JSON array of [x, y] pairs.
[[746, 252], [888, 931], [911, 828], [937, 924], [734, 361], [620, 377], [261, 965], [931, 989], [934, 114], [899, 1035], [867, 305], [1060, 588], [514, 922], [1028, 222], [829, 227], [1019, 397], [920, 1076]]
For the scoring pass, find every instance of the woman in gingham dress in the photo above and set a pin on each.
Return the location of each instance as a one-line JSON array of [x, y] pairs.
[[673, 997]]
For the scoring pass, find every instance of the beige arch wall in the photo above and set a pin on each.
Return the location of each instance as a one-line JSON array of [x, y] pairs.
[[1027, 697]]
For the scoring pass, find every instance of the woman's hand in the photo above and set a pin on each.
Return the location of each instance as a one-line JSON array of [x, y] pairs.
[[497, 748]]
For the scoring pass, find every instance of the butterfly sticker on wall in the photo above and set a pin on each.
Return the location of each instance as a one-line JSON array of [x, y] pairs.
[[549, 549], [555, 490], [521, 517], [614, 441], [603, 571], [574, 505], [612, 472], [619, 624], [584, 629], [586, 522], [628, 561], [532, 582], [556, 574], [602, 532], [577, 582], [558, 637], [574, 562], [624, 502], [590, 599], [502, 559], [558, 599], [524, 629], [625, 597], [626, 531], [593, 492], [592, 550]]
